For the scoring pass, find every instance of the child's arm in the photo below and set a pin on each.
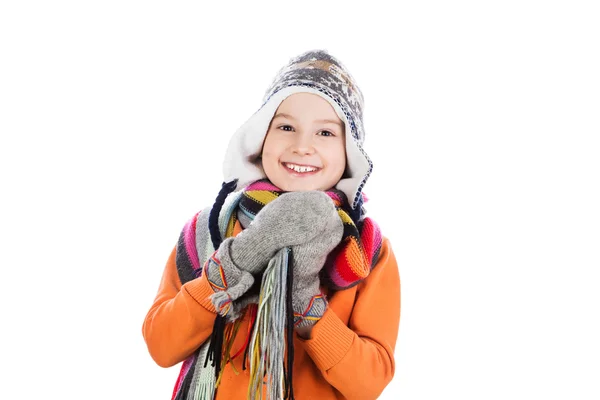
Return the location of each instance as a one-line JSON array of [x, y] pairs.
[[182, 316], [358, 359], [180, 319]]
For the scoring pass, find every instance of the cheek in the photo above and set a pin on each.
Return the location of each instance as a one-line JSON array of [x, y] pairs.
[[271, 155], [337, 159]]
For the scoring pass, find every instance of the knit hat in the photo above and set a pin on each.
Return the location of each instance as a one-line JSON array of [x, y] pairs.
[[318, 72]]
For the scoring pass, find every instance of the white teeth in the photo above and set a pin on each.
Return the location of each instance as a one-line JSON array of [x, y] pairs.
[[299, 168]]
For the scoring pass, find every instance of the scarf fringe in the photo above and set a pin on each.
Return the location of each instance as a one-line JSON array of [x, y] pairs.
[[203, 383], [267, 345], [289, 391]]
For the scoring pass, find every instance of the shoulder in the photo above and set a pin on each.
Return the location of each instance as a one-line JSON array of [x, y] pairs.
[[386, 251], [385, 271]]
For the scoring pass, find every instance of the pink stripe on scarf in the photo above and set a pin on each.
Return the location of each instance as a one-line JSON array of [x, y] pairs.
[[189, 238], [262, 185], [373, 240], [335, 196], [187, 364], [365, 198], [336, 278], [266, 185]]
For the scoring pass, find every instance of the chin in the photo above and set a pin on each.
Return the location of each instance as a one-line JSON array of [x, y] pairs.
[[299, 186]]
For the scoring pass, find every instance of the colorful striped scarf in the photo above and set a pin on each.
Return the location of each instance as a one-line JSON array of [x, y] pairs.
[[346, 266]]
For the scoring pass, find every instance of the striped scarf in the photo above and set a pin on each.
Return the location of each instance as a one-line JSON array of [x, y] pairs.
[[347, 265]]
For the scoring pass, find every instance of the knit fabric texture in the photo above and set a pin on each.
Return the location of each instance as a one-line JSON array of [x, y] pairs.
[[323, 71], [349, 263], [312, 226]]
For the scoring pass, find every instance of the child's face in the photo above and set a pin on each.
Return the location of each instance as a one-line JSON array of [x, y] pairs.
[[302, 151]]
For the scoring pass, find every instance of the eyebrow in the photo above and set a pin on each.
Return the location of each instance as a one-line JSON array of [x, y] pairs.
[[319, 120]]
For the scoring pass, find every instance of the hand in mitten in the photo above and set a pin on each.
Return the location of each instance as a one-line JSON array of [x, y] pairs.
[[290, 219], [308, 302]]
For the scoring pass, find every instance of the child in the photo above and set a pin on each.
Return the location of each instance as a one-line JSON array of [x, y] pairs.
[[284, 288]]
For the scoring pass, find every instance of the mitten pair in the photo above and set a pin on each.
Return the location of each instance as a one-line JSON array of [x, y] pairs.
[[307, 222]]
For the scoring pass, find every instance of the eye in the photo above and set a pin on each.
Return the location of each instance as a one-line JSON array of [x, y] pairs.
[[327, 133], [285, 126]]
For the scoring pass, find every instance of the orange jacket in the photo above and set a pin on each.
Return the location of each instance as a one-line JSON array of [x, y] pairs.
[[350, 354]]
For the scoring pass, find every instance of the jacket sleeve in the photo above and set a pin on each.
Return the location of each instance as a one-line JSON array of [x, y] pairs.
[[180, 319], [358, 359]]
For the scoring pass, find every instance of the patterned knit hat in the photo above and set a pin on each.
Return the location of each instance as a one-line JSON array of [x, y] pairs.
[[317, 72]]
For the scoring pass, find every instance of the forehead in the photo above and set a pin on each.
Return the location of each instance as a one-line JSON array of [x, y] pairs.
[[307, 106]]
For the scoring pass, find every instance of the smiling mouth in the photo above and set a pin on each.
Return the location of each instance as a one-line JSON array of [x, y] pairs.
[[300, 169]]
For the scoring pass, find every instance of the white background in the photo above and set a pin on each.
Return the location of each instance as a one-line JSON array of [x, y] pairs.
[[482, 119]]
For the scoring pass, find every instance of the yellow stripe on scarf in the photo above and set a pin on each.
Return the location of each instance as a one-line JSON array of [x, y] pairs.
[[261, 196], [230, 226], [345, 217]]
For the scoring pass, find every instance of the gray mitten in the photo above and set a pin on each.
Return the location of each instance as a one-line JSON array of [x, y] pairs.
[[308, 302], [292, 218]]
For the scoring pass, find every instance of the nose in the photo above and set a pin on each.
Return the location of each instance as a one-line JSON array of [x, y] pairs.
[[303, 144]]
